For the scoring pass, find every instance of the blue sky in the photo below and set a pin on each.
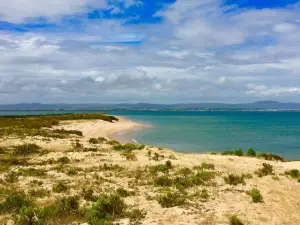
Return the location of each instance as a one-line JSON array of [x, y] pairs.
[[162, 51]]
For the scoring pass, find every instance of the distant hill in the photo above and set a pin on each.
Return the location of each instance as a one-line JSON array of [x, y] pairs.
[[261, 105]]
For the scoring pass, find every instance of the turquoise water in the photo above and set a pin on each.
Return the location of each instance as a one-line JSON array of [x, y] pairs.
[[276, 132]]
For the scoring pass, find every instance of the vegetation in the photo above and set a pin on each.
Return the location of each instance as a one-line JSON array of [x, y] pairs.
[[234, 220], [60, 186], [129, 155], [271, 157], [64, 160], [266, 169], [234, 179], [106, 208], [237, 152], [99, 140], [171, 199], [256, 195], [251, 152], [128, 147], [14, 202], [293, 173], [26, 149], [34, 125]]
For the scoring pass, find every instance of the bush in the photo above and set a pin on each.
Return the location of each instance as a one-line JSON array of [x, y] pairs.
[[206, 166], [234, 179], [266, 169], [237, 152], [93, 141], [164, 168], [234, 220], [32, 172], [59, 187], [256, 195], [128, 146], [97, 140], [11, 177], [171, 199], [40, 193], [64, 160], [163, 181], [26, 149], [135, 215], [62, 207], [251, 152], [293, 173], [88, 194], [107, 208], [27, 216], [15, 201], [129, 155], [271, 157]]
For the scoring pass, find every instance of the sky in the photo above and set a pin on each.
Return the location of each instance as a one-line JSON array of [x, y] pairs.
[[156, 51]]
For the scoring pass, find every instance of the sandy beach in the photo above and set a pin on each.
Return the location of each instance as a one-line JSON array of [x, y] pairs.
[[280, 192]]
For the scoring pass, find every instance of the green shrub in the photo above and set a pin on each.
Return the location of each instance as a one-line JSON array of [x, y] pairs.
[[62, 207], [185, 172], [293, 173], [27, 216], [266, 169], [93, 141], [234, 220], [234, 179], [251, 152], [26, 149], [60, 186], [64, 160], [164, 168], [98, 140], [129, 155], [40, 193], [107, 208], [135, 215], [171, 199], [163, 181], [11, 177], [68, 132], [205, 166], [88, 194], [271, 157], [256, 195], [237, 152], [128, 147], [32, 172], [15, 201]]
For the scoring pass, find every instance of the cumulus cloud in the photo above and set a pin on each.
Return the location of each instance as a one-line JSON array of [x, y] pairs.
[[200, 52]]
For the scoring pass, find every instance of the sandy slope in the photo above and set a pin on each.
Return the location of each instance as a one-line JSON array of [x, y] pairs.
[[281, 197]]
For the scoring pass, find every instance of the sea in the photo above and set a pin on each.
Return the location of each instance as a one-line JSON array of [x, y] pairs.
[[275, 132]]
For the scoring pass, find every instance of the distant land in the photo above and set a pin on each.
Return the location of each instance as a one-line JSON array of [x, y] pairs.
[[261, 105]]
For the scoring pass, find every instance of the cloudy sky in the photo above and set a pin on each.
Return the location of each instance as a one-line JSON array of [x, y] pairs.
[[159, 51]]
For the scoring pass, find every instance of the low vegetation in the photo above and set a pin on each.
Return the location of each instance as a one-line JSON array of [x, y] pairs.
[[171, 199], [255, 195], [234, 179], [293, 173], [265, 170], [235, 220]]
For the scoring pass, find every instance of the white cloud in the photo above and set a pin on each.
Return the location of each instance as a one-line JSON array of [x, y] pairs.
[[18, 11], [199, 53]]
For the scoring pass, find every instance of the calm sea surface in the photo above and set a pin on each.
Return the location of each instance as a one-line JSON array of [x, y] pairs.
[[276, 132]]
